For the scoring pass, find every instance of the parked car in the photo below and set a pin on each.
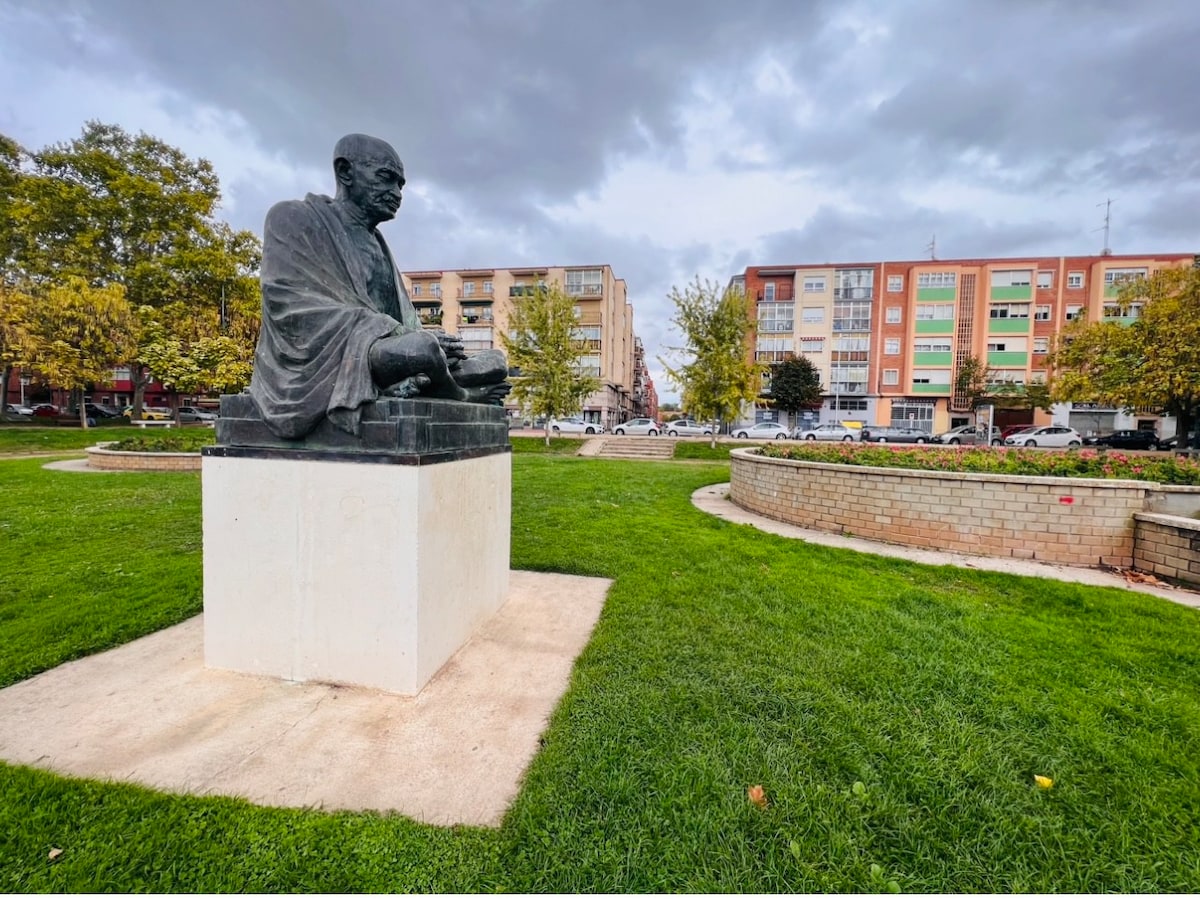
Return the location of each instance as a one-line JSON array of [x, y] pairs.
[[968, 435], [192, 413], [1129, 439], [772, 430], [11, 409], [1172, 443], [829, 431], [45, 410], [575, 425], [150, 413], [686, 427], [1047, 435], [881, 434], [647, 426], [96, 410], [1012, 429]]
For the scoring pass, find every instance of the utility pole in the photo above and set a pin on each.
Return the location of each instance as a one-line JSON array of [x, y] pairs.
[[1107, 204]]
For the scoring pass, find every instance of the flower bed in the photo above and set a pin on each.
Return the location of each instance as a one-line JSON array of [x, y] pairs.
[[158, 451], [1084, 463]]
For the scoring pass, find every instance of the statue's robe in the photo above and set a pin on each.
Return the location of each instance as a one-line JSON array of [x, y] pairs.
[[319, 320]]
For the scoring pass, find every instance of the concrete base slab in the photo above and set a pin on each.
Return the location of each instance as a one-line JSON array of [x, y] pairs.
[[150, 713]]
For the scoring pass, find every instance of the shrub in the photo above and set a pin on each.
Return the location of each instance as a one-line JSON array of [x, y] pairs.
[[1084, 463], [182, 441]]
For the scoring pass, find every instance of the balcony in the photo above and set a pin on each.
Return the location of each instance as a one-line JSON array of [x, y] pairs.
[[525, 290], [589, 318], [776, 327], [772, 355], [581, 343], [430, 316], [475, 296], [853, 293], [846, 388], [585, 290], [781, 296]]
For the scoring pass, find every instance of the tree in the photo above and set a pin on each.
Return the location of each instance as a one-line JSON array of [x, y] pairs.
[[113, 208], [795, 384], [715, 373], [74, 334], [972, 383], [1154, 361], [14, 306], [544, 345]]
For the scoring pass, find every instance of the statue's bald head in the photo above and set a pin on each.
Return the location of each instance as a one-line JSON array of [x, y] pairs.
[[369, 175]]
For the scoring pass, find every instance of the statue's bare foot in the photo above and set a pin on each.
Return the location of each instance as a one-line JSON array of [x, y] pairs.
[[490, 394]]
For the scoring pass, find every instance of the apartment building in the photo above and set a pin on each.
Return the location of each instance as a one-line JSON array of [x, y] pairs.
[[476, 305], [889, 337]]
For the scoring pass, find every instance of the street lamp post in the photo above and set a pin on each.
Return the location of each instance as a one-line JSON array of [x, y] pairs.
[[24, 380]]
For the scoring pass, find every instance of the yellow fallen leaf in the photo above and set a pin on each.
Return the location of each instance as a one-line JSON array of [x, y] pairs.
[[1044, 782], [55, 853], [757, 795]]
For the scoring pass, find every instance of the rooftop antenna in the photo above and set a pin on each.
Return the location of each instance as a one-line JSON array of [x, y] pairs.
[[931, 248], [1107, 204]]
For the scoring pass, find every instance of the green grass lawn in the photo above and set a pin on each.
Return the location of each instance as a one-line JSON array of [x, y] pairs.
[[30, 438], [895, 715]]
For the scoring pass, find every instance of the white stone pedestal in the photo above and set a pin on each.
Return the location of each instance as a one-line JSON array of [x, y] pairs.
[[351, 572]]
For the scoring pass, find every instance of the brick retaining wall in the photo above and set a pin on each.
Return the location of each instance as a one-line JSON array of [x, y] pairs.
[[1167, 546], [111, 460], [1071, 521]]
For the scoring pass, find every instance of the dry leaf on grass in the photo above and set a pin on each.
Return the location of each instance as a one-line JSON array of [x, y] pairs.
[[55, 853], [757, 795]]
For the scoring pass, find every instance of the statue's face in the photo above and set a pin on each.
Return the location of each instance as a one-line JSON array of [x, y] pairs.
[[375, 186]]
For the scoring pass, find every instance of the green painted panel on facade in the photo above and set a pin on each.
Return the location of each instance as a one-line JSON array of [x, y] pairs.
[[1112, 290], [937, 326], [1008, 360], [931, 388], [1012, 293], [935, 293], [1125, 320], [933, 359], [1008, 325]]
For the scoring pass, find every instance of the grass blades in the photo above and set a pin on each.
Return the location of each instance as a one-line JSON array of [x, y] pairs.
[[895, 714]]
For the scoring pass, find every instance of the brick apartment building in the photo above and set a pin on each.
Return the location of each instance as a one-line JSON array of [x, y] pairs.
[[888, 337], [476, 304]]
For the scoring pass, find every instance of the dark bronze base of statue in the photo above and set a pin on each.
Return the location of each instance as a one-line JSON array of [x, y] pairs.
[[400, 431]]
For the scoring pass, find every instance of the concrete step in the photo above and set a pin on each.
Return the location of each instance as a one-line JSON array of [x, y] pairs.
[[652, 448]]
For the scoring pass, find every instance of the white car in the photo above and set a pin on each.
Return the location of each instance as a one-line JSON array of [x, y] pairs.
[[1048, 435], [575, 425], [772, 430], [829, 432], [685, 427], [646, 426]]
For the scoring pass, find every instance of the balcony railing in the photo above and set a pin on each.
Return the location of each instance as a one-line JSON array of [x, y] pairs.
[[589, 318], [585, 290], [475, 318], [584, 344], [430, 318], [845, 388], [853, 293], [776, 327], [525, 290], [781, 296], [771, 355]]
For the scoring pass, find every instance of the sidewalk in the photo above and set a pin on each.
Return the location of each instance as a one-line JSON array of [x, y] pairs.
[[714, 500]]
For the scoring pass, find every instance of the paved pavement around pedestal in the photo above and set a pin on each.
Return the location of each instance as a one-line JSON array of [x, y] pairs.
[[714, 500]]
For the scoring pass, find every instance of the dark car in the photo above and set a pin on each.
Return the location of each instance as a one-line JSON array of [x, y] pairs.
[[1131, 440], [881, 434], [1172, 443], [95, 410]]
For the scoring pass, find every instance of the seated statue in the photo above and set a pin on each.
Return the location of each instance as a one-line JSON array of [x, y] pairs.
[[338, 327]]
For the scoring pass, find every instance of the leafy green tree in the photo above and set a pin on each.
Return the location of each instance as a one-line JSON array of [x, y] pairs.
[[113, 208], [971, 383], [795, 384], [544, 345], [14, 305], [715, 371], [1154, 361], [75, 333]]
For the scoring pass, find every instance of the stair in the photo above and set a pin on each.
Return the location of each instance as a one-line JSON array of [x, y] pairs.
[[652, 448]]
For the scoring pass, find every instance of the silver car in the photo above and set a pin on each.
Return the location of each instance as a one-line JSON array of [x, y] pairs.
[[575, 425], [686, 427], [882, 434], [828, 432], [771, 430], [647, 426], [967, 435], [1049, 435]]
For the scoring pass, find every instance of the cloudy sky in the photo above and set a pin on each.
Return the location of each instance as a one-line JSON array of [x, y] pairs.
[[667, 138]]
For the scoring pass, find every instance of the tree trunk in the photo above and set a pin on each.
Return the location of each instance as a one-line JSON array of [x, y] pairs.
[[78, 393], [547, 427], [4, 382], [138, 373]]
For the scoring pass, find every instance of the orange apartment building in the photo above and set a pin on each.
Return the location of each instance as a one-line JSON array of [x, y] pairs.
[[888, 337], [476, 304]]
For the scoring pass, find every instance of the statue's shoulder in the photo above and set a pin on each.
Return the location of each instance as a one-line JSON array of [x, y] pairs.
[[297, 210]]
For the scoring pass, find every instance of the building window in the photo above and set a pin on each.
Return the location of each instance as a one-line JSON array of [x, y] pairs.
[[772, 349], [1041, 314], [935, 311], [1005, 378], [891, 346], [812, 344], [1045, 280], [853, 284], [1037, 377], [937, 345], [487, 287], [769, 291], [852, 316], [931, 376], [891, 376], [435, 289], [1123, 275], [1074, 279], [468, 288], [1041, 345], [814, 283], [895, 283], [1008, 310], [585, 282], [1011, 278], [416, 290], [776, 318], [848, 377], [996, 347], [839, 404], [935, 279], [893, 315], [1073, 312], [812, 315], [852, 344]]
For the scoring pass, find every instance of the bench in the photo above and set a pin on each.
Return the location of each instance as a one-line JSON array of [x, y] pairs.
[[157, 423]]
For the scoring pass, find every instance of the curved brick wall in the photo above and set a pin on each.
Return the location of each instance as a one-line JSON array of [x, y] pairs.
[[1071, 521], [110, 460]]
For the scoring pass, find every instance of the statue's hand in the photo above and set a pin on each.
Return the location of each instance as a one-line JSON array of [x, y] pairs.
[[451, 346], [407, 388]]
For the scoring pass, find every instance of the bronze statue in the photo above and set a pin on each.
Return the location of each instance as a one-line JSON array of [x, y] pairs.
[[338, 327]]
